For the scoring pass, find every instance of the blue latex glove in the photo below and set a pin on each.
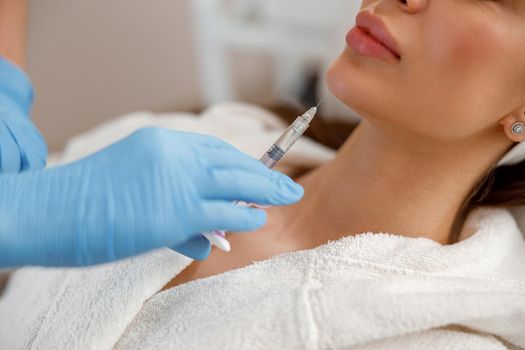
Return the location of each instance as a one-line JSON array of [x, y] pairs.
[[21, 145], [155, 188]]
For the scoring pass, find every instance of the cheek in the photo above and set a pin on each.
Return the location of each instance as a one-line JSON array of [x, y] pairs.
[[455, 81], [466, 72], [357, 83], [460, 48]]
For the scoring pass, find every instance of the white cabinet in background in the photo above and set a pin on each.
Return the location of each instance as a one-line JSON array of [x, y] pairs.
[[296, 34]]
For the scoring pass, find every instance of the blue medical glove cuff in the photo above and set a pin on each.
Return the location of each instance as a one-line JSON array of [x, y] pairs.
[[15, 84]]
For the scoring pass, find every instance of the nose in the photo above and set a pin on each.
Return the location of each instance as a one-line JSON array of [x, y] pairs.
[[412, 6]]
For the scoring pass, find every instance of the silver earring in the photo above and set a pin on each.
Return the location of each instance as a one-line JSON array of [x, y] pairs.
[[518, 128]]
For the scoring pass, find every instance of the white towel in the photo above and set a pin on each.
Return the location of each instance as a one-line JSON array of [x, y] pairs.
[[356, 292], [372, 291]]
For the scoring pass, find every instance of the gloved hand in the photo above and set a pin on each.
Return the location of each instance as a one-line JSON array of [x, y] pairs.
[[155, 188], [21, 145]]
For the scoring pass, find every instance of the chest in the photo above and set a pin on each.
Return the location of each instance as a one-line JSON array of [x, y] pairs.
[[276, 237], [246, 248], [217, 263]]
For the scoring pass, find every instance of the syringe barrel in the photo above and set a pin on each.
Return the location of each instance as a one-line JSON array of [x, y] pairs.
[[272, 156], [281, 146]]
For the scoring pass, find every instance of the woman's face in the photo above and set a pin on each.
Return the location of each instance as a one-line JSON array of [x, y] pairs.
[[462, 67]]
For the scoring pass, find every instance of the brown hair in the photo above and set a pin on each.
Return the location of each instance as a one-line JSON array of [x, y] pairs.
[[499, 186]]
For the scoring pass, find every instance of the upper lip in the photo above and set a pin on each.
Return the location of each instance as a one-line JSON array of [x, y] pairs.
[[375, 27]]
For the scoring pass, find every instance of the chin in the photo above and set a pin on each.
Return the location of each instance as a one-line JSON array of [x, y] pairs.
[[351, 85], [369, 87], [378, 97]]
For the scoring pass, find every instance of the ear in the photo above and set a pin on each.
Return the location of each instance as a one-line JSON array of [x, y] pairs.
[[508, 122]]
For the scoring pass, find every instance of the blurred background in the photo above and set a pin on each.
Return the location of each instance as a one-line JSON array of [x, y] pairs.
[[91, 61]]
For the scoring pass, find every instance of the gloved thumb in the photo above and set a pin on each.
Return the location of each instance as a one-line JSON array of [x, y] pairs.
[[197, 248]]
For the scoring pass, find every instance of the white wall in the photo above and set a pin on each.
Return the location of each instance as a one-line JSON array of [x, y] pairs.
[[93, 60]]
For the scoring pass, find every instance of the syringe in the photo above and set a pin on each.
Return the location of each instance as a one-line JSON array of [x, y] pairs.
[[274, 154]]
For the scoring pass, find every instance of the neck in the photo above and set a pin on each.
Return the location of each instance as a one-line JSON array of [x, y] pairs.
[[384, 181]]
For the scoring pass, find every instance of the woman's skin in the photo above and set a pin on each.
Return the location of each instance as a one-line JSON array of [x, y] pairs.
[[433, 123], [13, 24]]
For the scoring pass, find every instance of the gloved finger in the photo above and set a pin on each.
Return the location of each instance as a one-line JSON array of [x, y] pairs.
[[33, 153], [39, 155], [32, 158], [197, 248], [277, 189], [36, 151], [9, 150], [235, 159], [200, 139], [226, 216]]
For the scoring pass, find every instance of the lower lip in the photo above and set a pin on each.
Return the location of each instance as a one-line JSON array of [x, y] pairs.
[[366, 45]]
